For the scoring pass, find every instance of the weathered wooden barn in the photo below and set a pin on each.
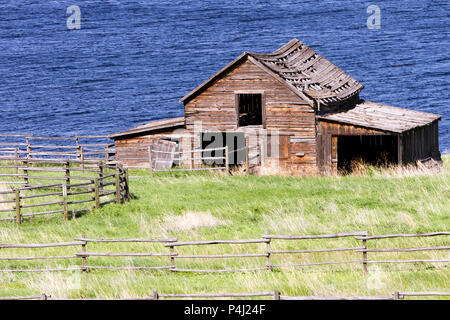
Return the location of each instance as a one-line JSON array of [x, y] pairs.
[[312, 105]]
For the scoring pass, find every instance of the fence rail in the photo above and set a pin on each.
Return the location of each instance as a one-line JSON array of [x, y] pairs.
[[274, 295], [18, 147], [168, 246]]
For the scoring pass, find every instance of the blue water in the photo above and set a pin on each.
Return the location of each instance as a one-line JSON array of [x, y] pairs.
[[132, 61]]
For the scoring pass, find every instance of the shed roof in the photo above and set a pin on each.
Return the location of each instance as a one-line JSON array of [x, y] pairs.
[[151, 126], [382, 117], [301, 69]]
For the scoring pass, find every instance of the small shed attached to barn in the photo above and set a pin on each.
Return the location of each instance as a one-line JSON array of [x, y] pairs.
[[313, 106]]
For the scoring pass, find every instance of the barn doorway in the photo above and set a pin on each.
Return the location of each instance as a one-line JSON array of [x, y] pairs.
[[379, 150], [250, 108]]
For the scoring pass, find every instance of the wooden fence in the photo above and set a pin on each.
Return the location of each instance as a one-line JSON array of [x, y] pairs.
[[17, 147], [73, 183], [267, 240], [274, 295]]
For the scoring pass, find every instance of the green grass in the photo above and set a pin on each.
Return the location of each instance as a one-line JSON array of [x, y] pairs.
[[244, 207]]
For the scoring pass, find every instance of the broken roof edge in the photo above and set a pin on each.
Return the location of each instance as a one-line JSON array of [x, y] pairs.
[[151, 126], [195, 92], [428, 118]]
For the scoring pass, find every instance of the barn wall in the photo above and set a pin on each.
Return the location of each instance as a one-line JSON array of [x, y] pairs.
[[130, 157], [327, 143], [421, 143], [286, 112]]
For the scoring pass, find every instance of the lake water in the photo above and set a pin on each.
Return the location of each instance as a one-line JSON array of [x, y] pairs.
[[132, 61]]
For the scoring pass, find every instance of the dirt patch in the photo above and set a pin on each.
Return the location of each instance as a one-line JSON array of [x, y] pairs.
[[191, 220]]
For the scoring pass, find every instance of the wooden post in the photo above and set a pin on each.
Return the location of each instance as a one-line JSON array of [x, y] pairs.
[[396, 295], [16, 158], [45, 296], [364, 256], [127, 186], [28, 148], [276, 295], [83, 258], [82, 158], [25, 172], [64, 195], [67, 167], [172, 258], [100, 174], [155, 295], [227, 165], [96, 194], [117, 187], [150, 160], [268, 265], [18, 215], [107, 153]]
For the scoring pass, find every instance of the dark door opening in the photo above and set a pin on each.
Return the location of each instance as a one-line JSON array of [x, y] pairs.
[[377, 150], [250, 109], [234, 141]]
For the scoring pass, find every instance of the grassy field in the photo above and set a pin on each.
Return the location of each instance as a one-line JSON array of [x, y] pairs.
[[211, 206]]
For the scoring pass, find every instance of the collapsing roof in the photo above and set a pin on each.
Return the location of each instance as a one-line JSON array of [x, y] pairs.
[[152, 126], [382, 117], [302, 70]]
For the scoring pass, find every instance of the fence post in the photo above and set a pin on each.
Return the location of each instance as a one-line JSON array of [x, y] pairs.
[[18, 215], [276, 295], [28, 148], [396, 295], [364, 245], [100, 174], [117, 176], [268, 265], [16, 157], [45, 296], [83, 250], [127, 187], [96, 194], [64, 194], [172, 258], [25, 172], [155, 295], [227, 164], [150, 160], [67, 167], [82, 158]]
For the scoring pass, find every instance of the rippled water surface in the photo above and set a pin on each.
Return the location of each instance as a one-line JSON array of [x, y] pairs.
[[132, 61]]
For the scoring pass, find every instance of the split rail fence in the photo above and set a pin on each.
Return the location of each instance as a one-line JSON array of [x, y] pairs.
[[167, 251], [71, 186], [274, 295], [15, 147]]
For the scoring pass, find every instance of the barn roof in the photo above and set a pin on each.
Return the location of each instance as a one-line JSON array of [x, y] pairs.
[[151, 126], [382, 117], [301, 69]]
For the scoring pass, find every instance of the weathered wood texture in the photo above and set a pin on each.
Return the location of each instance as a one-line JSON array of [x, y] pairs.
[[326, 147], [284, 112]]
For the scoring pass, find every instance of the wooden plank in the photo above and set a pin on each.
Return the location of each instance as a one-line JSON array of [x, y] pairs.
[[323, 236], [206, 242]]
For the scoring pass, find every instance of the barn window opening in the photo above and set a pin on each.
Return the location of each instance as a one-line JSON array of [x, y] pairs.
[[250, 109], [377, 150]]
